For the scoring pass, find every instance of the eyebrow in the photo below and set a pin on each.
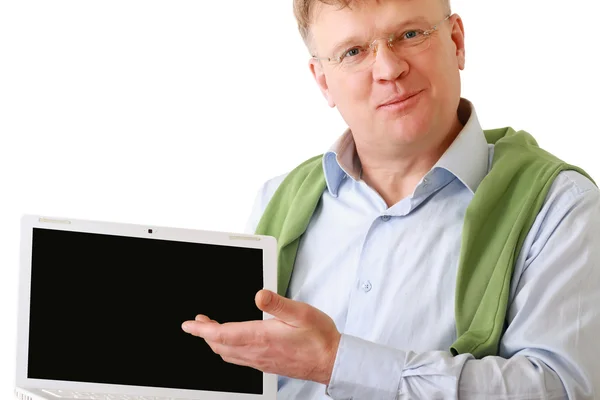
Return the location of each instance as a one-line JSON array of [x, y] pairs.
[[352, 40]]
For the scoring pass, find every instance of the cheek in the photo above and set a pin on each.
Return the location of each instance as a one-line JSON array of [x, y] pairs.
[[351, 95], [447, 72], [438, 75]]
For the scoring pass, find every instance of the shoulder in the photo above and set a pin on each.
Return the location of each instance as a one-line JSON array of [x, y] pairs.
[[564, 232], [261, 200], [571, 211], [268, 188], [572, 195], [569, 186], [569, 189]]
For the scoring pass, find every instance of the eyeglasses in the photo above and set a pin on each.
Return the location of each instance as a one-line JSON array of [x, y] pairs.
[[405, 43]]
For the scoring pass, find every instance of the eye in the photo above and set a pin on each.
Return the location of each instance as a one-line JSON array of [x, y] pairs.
[[353, 52], [411, 35]]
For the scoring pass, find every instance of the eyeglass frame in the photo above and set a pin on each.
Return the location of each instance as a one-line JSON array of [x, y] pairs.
[[427, 33]]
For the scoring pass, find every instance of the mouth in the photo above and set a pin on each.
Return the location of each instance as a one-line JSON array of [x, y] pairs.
[[400, 101]]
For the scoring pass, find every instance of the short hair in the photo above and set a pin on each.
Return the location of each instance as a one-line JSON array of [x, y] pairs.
[[303, 10]]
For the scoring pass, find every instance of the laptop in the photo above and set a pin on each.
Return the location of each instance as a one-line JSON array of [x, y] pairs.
[[101, 306]]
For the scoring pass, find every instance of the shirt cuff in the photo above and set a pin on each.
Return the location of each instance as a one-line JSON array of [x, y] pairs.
[[365, 370]]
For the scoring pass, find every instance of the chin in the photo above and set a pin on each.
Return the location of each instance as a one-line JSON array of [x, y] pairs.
[[407, 128]]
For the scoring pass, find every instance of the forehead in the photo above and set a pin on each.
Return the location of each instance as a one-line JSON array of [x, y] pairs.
[[332, 24]]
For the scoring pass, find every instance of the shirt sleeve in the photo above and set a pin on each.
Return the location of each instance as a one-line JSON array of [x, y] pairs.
[[549, 349]]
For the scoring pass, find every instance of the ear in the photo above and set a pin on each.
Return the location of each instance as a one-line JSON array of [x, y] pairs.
[[316, 68], [458, 37]]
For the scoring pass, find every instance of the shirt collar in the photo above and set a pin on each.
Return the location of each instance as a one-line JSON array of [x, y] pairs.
[[467, 157]]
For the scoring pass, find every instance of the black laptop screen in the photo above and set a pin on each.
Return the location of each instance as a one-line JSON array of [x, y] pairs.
[[109, 309]]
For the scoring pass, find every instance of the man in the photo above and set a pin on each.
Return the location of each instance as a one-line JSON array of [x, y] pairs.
[[391, 245]]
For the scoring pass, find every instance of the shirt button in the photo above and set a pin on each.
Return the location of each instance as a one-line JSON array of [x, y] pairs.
[[366, 286], [385, 218]]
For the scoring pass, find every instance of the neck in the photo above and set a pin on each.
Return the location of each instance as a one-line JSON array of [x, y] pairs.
[[394, 173]]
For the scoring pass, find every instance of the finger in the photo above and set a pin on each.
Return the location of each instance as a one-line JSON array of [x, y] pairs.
[[203, 318], [230, 334], [201, 329], [290, 311], [199, 318]]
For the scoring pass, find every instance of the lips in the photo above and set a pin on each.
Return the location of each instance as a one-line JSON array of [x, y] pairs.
[[399, 98]]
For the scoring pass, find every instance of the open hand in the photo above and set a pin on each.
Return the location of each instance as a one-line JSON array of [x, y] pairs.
[[299, 342]]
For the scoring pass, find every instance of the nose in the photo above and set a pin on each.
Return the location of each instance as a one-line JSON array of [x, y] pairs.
[[387, 65]]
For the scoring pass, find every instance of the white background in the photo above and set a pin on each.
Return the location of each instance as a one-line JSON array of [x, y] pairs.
[[175, 112]]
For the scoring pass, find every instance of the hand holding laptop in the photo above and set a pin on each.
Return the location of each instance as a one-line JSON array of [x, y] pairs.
[[300, 342]]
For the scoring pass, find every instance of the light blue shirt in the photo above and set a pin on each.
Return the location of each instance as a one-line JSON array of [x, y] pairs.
[[387, 275]]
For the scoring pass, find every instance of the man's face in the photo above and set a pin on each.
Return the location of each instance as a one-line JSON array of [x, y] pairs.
[[431, 75]]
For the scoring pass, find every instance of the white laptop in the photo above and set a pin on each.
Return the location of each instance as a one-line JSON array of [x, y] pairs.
[[101, 306]]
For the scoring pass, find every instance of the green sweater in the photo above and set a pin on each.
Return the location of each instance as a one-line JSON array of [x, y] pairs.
[[496, 223]]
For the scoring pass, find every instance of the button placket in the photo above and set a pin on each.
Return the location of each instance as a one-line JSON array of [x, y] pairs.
[[356, 301]]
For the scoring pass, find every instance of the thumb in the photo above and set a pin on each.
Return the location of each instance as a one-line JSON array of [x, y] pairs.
[[289, 311]]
